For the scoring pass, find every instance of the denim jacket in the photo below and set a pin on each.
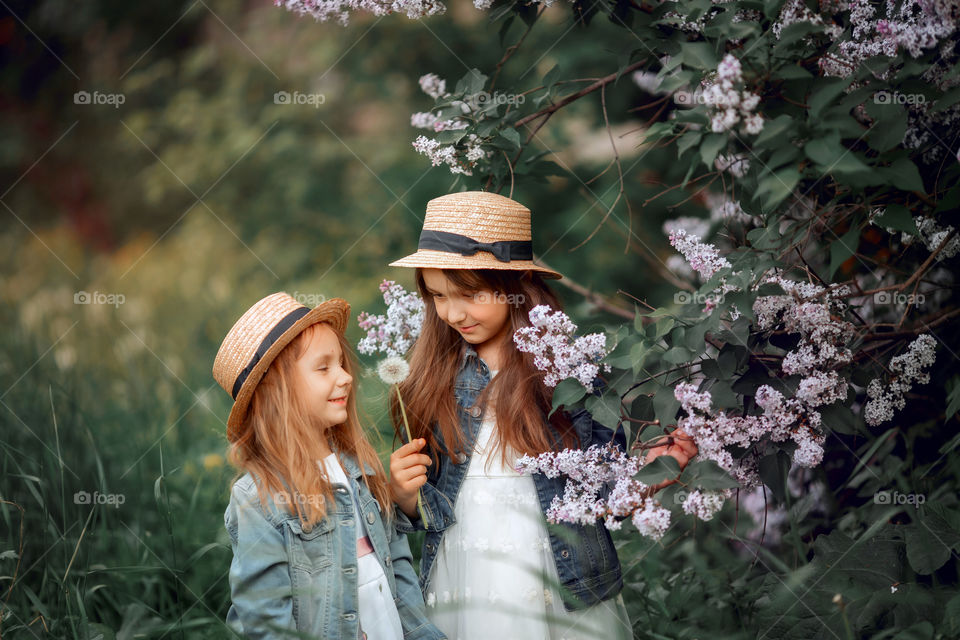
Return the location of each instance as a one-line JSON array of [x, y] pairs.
[[289, 580], [586, 559]]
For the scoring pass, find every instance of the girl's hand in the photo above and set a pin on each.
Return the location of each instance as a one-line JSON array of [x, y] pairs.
[[408, 472], [682, 448]]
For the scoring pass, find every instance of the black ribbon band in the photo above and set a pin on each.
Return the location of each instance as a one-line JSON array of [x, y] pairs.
[[281, 327], [504, 251]]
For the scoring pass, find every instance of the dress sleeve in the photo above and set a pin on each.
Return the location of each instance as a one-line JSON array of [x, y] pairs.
[[260, 585], [409, 598]]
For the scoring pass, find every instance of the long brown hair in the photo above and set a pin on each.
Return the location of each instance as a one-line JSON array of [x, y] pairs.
[[521, 401], [279, 444]]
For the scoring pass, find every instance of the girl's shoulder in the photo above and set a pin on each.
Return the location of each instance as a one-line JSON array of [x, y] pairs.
[[245, 495]]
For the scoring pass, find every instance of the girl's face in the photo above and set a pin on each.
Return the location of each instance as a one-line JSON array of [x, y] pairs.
[[478, 316], [322, 379]]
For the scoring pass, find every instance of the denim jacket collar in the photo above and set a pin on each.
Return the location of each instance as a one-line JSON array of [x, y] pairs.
[[469, 353]]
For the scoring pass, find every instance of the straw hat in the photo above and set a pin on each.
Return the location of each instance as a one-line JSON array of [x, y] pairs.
[[256, 339], [475, 230]]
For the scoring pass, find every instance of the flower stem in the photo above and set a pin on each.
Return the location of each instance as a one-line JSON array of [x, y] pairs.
[[406, 425]]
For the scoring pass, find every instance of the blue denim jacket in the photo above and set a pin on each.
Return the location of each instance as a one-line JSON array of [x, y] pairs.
[[586, 559], [288, 580]]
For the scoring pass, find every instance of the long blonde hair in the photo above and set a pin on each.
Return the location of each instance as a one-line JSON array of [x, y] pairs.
[[279, 446]]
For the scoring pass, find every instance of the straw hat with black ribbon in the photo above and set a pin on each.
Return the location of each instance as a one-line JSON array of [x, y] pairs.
[[258, 337], [475, 230]]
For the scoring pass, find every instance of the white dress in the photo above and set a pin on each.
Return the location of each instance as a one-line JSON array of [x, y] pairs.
[[379, 618], [495, 575]]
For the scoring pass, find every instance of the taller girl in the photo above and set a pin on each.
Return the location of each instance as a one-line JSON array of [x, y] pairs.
[[490, 567]]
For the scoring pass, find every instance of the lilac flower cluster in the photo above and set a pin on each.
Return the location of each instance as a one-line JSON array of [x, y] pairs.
[[589, 474], [723, 207], [395, 332], [339, 10], [704, 258], [812, 312], [705, 504], [557, 351], [461, 157], [908, 371], [729, 102], [782, 419], [736, 164], [933, 234], [915, 25], [689, 225]]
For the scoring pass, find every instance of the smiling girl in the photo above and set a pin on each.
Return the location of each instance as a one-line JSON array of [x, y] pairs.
[[315, 552]]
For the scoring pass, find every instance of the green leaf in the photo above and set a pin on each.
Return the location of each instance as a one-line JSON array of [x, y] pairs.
[[472, 83], [842, 248], [665, 405], [699, 55], [663, 327], [638, 353], [898, 217], [953, 397], [567, 393], [774, 130], [707, 474], [687, 141], [891, 123], [825, 95], [773, 188], [905, 175], [773, 471], [605, 409], [710, 147], [659, 469], [512, 135], [838, 418], [833, 157], [677, 355], [947, 100], [925, 551]]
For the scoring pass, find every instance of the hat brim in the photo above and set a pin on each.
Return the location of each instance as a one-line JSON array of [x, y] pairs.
[[335, 311], [431, 259]]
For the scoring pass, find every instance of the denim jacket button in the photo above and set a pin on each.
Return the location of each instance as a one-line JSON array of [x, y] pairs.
[[371, 518], [388, 561], [564, 554], [475, 411], [307, 528], [461, 458]]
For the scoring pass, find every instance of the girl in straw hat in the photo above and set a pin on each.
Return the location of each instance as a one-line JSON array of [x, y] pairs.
[[490, 568], [315, 553]]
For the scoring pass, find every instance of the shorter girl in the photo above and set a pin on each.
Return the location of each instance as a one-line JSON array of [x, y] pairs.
[[315, 553]]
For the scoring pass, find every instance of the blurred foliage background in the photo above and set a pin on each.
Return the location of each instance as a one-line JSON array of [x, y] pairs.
[[185, 203]]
